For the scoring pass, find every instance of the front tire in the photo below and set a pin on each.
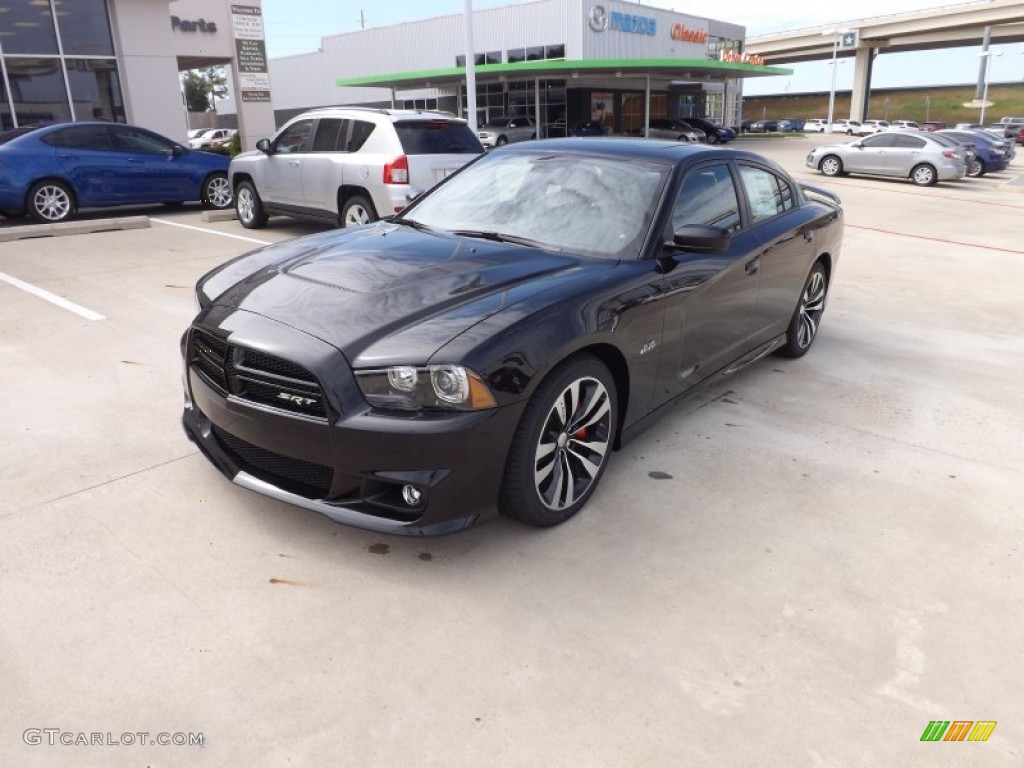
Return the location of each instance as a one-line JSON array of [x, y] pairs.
[[562, 445], [803, 326], [50, 202], [217, 192], [923, 175], [249, 207], [712, 138], [501, 141], [831, 165], [356, 211]]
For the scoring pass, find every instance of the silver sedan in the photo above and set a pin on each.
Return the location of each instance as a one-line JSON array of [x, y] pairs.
[[915, 156], [504, 130]]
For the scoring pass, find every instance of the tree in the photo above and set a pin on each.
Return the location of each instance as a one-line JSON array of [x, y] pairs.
[[202, 87]]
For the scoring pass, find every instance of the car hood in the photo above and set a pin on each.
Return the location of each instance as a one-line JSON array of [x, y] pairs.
[[387, 294]]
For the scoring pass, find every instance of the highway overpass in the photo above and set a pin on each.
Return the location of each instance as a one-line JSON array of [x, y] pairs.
[[947, 26]]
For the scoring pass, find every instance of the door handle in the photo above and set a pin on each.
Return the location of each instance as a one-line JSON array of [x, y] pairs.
[[753, 265], [808, 236], [134, 161], [65, 156], [296, 163]]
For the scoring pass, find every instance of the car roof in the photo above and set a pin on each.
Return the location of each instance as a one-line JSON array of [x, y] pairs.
[[394, 114], [639, 149]]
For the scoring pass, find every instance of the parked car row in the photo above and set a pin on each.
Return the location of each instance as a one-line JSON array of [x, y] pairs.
[[49, 172], [923, 157]]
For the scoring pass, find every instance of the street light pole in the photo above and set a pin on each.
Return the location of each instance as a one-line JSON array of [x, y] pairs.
[[987, 57], [832, 93]]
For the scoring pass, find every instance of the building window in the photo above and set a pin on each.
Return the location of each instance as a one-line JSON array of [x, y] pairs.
[[516, 55], [494, 57], [554, 51], [84, 30], [535, 54], [95, 89], [460, 61], [28, 28], [37, 90], [602, 109]]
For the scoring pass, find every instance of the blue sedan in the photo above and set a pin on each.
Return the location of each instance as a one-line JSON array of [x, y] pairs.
[[51, 171]]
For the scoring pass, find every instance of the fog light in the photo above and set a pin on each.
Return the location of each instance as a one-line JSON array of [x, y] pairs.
[[411, 495]]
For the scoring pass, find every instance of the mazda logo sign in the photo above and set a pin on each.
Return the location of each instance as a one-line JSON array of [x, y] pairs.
[[598, 18]]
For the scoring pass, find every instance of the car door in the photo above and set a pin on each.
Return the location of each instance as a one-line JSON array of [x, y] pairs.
[[904, 154], [709, 297], [156, 173], [321, 170], [282, 170], [99, 174], [786, 233], [870, 155]]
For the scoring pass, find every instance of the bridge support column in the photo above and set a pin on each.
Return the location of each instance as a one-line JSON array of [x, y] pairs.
[[861, 95]]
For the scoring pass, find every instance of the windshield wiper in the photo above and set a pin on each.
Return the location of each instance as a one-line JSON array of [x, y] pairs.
[[412, 223], [498, 237]]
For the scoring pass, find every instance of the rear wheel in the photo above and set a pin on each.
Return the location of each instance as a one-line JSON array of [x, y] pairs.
[[975, 168], [50, 202], [712, 138], [249, 207], [217, 191], [562, 444], [831, 165], [803, 326], [923, 175], [357, 210], [501, 141]]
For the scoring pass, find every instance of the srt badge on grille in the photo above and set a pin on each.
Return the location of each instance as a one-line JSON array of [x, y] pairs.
[[297, 399]]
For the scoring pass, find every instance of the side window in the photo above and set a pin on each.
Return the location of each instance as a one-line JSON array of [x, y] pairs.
[[708, 196], [93, 137], [768, 194], [330, 133], [905, 141], [130, 139], [880, 140], [361, 131], [294, 137]]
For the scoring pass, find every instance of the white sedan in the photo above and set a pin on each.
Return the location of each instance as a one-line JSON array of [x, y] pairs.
[[869, 127]]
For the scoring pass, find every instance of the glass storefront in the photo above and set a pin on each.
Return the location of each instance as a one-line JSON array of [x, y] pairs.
[[57, 63]]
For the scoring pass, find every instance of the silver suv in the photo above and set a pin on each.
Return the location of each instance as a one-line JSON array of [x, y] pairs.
[[348, 165]]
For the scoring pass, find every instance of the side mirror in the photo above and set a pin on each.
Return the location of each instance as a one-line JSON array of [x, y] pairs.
[[263, 145], [413, 194], [702, 238], [178, 151]]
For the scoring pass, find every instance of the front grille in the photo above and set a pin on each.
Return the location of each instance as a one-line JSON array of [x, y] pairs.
[[256, 376], [295, 475]]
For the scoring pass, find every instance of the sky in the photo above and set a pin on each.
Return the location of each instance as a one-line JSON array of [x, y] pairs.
[[296, 26]]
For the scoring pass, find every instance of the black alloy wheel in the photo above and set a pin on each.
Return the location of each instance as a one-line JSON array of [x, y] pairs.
[[803, 327], [562, 445]]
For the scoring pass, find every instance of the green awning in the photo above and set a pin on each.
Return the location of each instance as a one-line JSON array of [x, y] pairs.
[[664, 69]]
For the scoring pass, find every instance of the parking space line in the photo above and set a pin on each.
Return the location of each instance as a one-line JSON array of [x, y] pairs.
[[53, 298], [213, 232], [936, 239]]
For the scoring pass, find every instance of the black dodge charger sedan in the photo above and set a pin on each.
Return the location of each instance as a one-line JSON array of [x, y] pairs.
[[486, 349]]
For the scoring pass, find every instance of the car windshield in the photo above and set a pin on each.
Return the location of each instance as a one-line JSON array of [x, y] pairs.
[[437, 137], [594, 205]]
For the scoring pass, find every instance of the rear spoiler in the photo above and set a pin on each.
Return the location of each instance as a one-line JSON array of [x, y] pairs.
[[832, 197]]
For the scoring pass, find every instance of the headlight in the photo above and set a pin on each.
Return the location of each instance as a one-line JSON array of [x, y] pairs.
[[411, 388]]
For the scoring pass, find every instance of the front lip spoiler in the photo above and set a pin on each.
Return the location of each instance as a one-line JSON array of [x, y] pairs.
[[336, 512], [341, 514]]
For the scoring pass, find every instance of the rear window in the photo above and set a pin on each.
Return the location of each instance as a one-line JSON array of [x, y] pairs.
[[16, 132], [437, 137]]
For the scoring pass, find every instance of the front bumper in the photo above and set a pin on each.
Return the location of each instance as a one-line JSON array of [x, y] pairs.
[[352, 464]]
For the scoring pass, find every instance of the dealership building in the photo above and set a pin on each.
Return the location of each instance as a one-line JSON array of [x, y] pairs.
[[557, 61]]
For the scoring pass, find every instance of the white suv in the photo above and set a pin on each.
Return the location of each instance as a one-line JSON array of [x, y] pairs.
[[348, 165]]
